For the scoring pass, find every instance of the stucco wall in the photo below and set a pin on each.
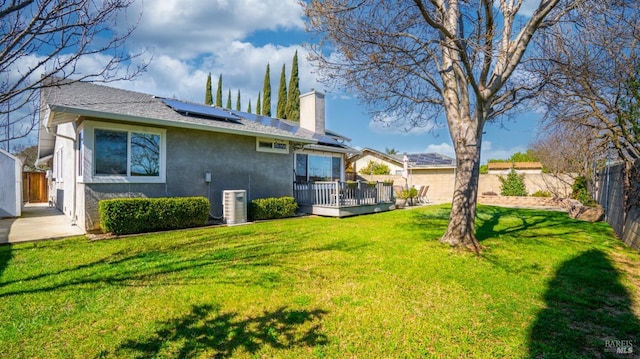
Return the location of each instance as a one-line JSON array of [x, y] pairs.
[[10, 185], [232, 161], [559, 185], [441, 183]]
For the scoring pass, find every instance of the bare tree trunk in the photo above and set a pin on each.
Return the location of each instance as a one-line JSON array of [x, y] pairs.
[[461, 230]]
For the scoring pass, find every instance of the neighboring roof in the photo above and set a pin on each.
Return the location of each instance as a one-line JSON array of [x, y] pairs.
[[62, 104], [516, 165], [416, 160]]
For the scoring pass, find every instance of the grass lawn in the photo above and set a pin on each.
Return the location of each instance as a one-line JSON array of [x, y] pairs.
[[373, 286]]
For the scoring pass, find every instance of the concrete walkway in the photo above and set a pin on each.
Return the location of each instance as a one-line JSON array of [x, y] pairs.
[[38, 221]]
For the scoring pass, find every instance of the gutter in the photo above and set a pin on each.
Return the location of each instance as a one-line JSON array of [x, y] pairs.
[[169, 123]]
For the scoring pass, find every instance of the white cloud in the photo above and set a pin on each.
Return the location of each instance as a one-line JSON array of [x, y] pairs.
[[186, 28], [189, 39], [392, 124], [241, 65], [442, 148], [488, 152], [526, 9]]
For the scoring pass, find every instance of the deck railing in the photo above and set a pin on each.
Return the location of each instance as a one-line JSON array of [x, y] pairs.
[[342, 194]]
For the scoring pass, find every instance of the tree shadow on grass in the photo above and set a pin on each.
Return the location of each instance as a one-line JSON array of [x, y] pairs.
[[588, 313], [521, 223], [6, 253], [524, 220], [207, 331], [247, 264]]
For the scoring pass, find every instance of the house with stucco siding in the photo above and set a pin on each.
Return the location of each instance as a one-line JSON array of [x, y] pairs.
[[103, 142]]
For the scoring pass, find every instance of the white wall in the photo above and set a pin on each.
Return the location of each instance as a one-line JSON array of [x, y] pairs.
[[10, 185], [63, 170]]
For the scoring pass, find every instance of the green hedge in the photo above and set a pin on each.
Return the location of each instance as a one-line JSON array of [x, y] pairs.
[[139, 215], [270, 208]]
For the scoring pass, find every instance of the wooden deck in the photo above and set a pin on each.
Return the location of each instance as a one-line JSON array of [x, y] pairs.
[[342, 199]]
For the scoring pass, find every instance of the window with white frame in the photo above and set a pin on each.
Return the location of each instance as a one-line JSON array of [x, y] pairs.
[[311, 167], [80, 152], [122, 153], [272, 145]]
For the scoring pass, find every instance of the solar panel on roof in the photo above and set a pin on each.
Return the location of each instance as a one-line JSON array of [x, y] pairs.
[[425, 159], [267, 121], [186, 108], [326, 140]]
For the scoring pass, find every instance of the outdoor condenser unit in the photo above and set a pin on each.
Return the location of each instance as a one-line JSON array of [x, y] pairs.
[[234, 204]]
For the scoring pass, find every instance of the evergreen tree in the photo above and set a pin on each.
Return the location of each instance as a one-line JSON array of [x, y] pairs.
[[238, 102], [208, 96], [258, 107], [219, 92], [293, 96], [249, 107], [513, 185], [229, 100], [281, 107], [266, 91]]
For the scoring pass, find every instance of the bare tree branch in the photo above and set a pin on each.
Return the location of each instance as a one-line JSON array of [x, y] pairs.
[[588, 67], [44, 41], [417, 59]]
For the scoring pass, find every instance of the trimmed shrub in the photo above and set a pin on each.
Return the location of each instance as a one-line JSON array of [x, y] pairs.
[[139, 215], [513, 185], [541, 193], [272, 208]]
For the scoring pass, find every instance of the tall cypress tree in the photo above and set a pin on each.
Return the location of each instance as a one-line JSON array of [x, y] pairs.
[[238, 102], [281, 107], [219, 92], [229, 100], [293, 97], [208, 96], [249, 107], [258, 107], [266, 91]]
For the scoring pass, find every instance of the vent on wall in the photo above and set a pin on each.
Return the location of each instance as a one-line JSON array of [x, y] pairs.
[[234, 204]]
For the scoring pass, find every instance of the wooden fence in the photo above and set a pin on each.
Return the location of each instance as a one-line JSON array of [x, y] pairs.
[[34, 187]]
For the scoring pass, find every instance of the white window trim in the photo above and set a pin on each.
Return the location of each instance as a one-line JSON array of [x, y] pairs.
[[274, 143], [88, 171], [80, 170]]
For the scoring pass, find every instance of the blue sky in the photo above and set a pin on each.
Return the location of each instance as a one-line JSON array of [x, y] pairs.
[[187, 39]]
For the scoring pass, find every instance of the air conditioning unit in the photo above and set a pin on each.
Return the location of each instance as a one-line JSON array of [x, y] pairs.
[[234, 206]]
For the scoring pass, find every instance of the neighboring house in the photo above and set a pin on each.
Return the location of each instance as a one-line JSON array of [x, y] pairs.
[[423, 169], [10, 185], [105, 142], [418, 163], [503, 168]]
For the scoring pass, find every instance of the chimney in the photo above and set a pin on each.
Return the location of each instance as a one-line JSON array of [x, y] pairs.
[[312, 111]]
